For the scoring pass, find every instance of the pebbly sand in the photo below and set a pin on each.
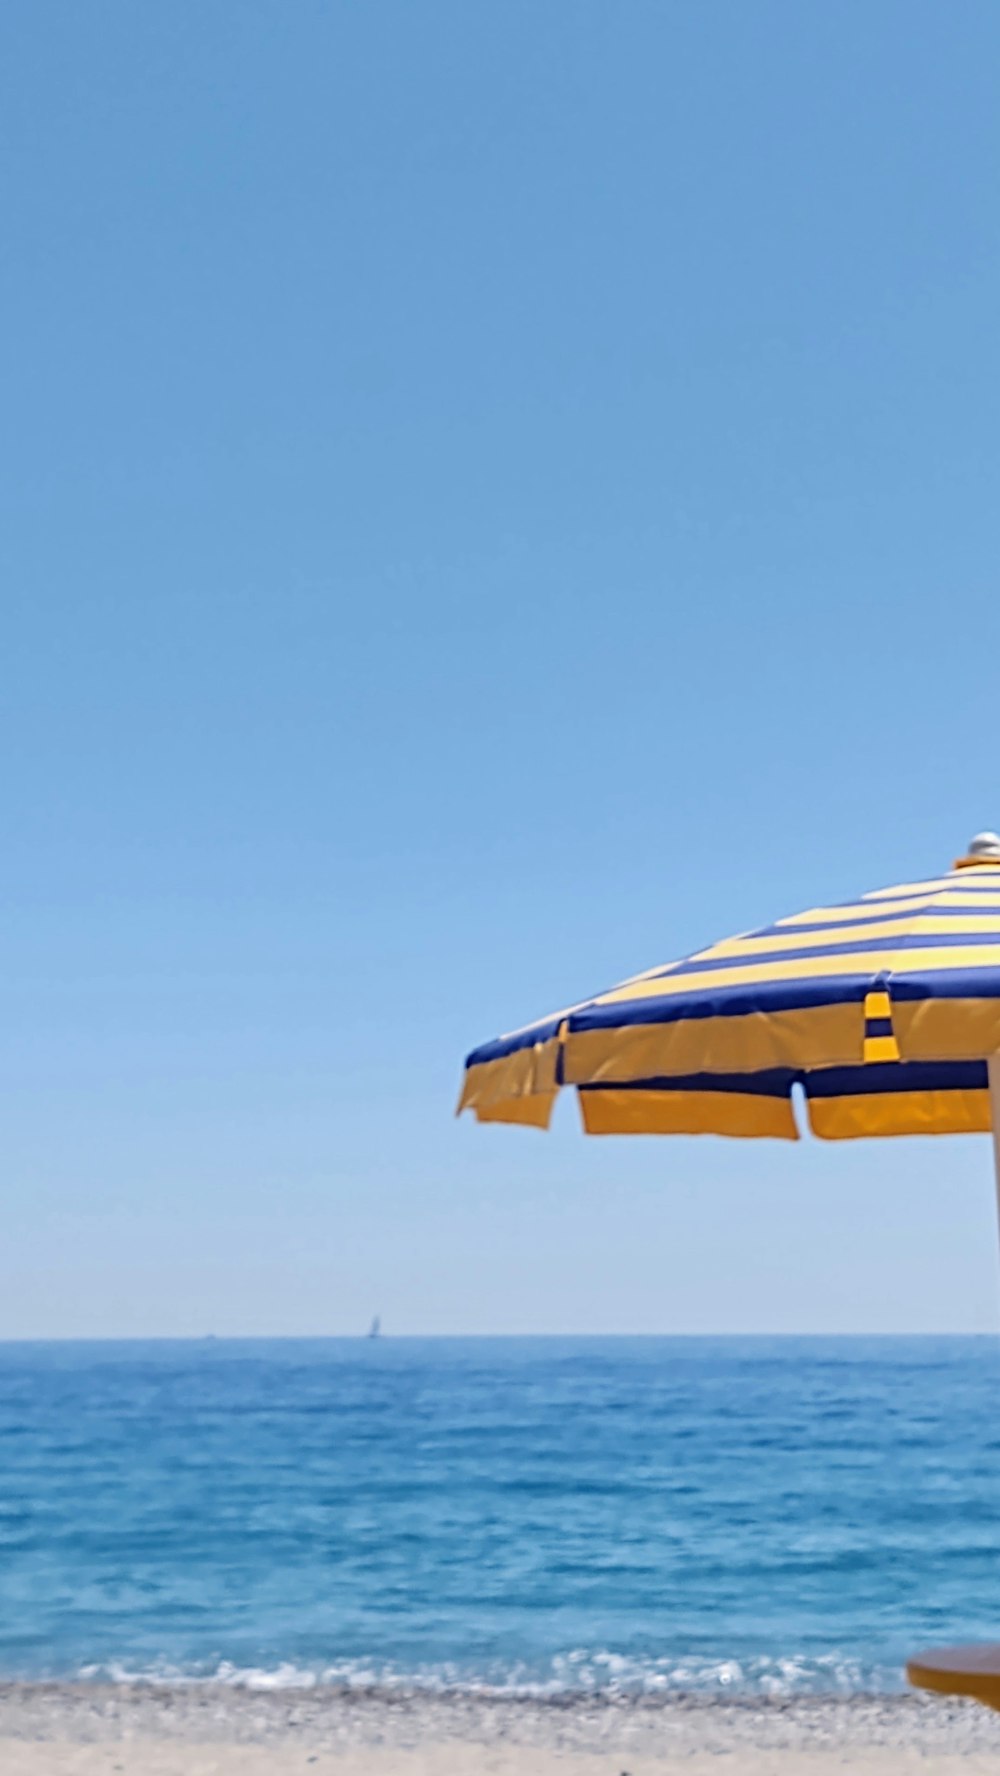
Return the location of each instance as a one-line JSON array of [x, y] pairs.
[[90, 1730]]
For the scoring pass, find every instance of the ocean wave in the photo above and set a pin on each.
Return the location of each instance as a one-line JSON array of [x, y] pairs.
[[578, 1673]]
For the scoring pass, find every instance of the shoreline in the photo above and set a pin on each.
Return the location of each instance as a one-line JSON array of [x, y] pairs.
[[217, 1730]]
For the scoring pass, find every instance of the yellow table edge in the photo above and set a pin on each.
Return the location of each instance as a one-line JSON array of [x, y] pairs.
[[980, 1686]]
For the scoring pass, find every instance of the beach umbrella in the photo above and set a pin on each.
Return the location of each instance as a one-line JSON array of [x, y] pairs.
[[883, 1011]]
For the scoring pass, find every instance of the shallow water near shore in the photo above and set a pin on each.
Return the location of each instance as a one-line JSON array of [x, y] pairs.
[[539, 1517]]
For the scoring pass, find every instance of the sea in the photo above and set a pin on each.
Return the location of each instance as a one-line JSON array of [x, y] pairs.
[[550, 1516]]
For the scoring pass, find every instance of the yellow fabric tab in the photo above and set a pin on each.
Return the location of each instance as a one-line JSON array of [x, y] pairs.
[[900, 1113], [882, 1047], [687, 1113]]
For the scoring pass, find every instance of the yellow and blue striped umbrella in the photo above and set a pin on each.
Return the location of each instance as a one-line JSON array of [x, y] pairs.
[[884, 1011]]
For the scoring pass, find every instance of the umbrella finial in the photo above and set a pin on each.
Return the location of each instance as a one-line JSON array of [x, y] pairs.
[[984, 848]]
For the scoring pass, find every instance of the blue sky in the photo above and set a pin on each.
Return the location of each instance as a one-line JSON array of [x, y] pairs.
[[493, 497]]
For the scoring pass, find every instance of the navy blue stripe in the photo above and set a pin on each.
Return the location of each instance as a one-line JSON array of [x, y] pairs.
[[878, 1027], [896, 1076], [772, 1082], [826, 1082], [737, 1001], [946, 983]]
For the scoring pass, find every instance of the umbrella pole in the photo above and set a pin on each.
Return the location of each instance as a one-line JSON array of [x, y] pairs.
[[993, 1070]]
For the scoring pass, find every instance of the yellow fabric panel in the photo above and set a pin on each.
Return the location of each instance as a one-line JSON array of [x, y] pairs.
[[947, 1029], [935, 886], [734, 949], [971, 897], [534, 1112], [810, 968], [528, 1073], [687, 1113], [633, 980], [900, 1113], [861, 911], [819, 1036]]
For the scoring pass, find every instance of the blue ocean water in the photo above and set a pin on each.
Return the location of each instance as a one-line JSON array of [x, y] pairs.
[[538, 1515]]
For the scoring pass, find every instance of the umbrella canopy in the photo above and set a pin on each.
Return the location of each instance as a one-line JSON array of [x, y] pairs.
[[885, 1011]]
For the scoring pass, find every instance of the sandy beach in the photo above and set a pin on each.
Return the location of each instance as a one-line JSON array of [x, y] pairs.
[[82, 1730]]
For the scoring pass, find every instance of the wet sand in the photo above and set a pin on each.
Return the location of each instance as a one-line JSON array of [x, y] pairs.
[[90, 1730]]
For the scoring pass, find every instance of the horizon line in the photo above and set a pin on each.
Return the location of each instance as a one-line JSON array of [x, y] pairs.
[[201, 1338]]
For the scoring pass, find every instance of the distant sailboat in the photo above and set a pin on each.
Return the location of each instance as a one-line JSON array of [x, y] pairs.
[[375, 1329]]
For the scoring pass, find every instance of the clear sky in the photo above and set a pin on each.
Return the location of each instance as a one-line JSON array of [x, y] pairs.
[[493, 497]]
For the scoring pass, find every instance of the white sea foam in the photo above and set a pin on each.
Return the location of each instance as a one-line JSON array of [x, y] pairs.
[[578, 1672]]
